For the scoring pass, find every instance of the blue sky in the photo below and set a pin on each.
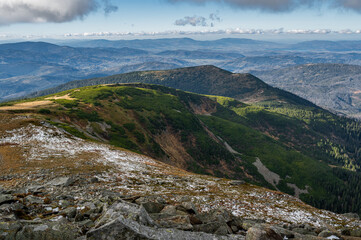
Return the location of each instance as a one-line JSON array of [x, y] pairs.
[[159, 18]]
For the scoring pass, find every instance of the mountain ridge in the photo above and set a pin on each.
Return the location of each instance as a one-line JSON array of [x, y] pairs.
[[206, 79]]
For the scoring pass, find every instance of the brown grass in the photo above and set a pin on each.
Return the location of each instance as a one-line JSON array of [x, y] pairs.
[[66, 97], [28, 105]]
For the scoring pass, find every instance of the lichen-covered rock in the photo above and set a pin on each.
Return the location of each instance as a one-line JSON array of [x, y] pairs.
[[54, 231], [355, 232], [128, 211], [8, 230], [328, 233], [262, 233], [304, 231], [34, 200], [6, 198], [352, 215], [69, 212], [62, 181], [153, 207]]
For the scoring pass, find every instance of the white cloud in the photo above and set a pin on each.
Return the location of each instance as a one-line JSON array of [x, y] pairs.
[[40, 11], [198, 20], [193, 21]]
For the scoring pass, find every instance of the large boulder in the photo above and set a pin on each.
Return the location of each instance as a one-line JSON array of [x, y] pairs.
[[126, 229], [128, 211], [262, 233]]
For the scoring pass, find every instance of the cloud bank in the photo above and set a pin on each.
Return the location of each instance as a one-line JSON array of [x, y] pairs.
[[282, 5], [235, 31], [40, 11]]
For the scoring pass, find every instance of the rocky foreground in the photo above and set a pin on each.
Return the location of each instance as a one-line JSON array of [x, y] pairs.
[[56, 186]]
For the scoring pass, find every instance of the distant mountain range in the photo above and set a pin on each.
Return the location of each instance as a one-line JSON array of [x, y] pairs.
[[27, 67], [333, 86]]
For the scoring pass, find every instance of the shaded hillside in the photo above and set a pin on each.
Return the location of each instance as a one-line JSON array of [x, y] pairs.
[[203, 80], [333, 86], [59, 187], [296, 150]]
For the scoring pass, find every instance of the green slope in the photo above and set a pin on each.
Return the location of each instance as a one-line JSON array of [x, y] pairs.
[[195, 132], [201, 79]]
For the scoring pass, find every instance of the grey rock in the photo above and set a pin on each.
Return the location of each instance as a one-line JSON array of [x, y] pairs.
[[169, 209], [69, 212], [179, 222], [355, 232], [216, 215], [328, 233], [262, 233], [8, 230], [86, 224], [236, 182], [128, 211], [188, 207], [283, 232], [248, 223], [304, 231], [345, 231], [52, 231], [6, 198], [34, 200], [122, 228], [153, 207], [64, 203], [62, 181], [213, 227], [351, 215], [223, 230]]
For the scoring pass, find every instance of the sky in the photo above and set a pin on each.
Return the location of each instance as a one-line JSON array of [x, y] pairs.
[[203, 19]]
